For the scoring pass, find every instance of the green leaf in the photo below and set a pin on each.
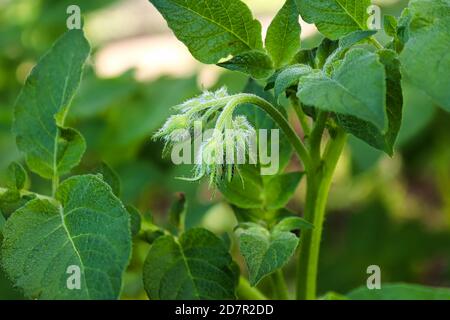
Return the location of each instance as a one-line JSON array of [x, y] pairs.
[[425, 60], [110, 177], [289, 77], [357, 88], [43, 105], [400, 291], [283, 35], [260, 192], [16, 176], [265, 251], [255, 63], [344, 45], [335, 18], [390, 25], [394, 105], [293, 223], [87, 227], [196, 266], [212, 29], [12, 200]]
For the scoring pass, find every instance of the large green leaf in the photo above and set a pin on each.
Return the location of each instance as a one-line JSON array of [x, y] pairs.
[[43, 105], [335, 18], [357, 88], [394, 104], [212, 29], [195, 266], [87, 227], [283, 35], [400, 291], [266, 251], [425, 57]]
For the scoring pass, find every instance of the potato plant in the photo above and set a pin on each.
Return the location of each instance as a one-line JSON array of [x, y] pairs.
[[350, 84]]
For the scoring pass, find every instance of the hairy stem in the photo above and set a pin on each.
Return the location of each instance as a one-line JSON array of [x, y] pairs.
[[318, 187], [281, 121], [246, 292]]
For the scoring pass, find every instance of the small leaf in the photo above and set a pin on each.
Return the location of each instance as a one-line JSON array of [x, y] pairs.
[[177, 213], [135, 219], [293, 223], [43, 104], [87, 227], [255, 63], [265, 251], [400, 291], [335, 18], [70, 148], [110, 177], [283, 35], [12, 200], [390, 25], [16, 176], [212, 29], [197, 266], [357, 88]]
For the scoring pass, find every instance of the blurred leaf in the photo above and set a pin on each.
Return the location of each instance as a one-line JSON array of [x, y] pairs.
[[96, 95], [110, 177], [197, 266], [400, 291], [177, 213]]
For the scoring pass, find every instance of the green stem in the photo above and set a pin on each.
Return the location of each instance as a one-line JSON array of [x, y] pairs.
[[55, 183], [296, 105], [29, 193], [376, 43], [246, 292], [280, 287], [318, 187], [316, 135], [281, 121]]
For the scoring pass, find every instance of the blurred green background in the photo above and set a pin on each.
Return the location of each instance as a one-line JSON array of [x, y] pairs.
[[392, 212]]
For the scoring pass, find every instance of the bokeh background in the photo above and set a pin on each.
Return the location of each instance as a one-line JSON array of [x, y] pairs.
[[392, 212]]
